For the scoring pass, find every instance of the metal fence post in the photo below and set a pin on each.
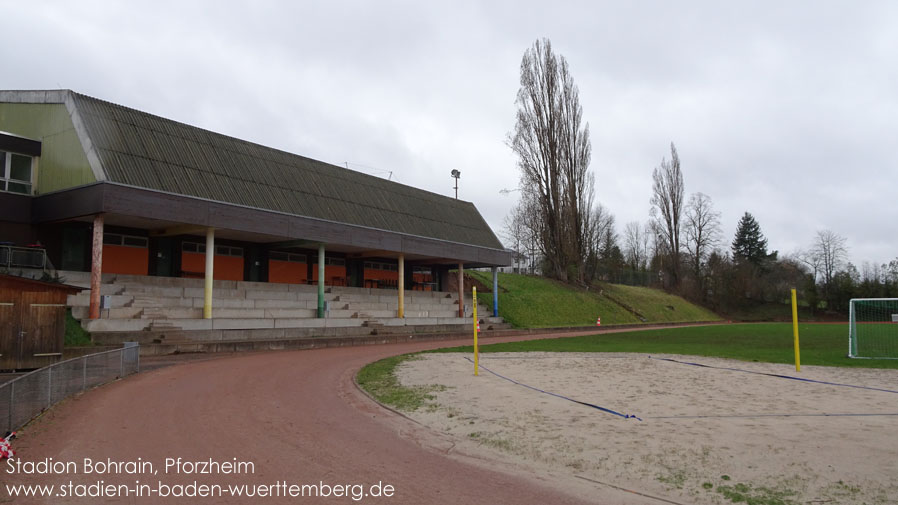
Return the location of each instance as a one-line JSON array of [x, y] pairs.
[[49, 386], [29, 401], [12, 398]]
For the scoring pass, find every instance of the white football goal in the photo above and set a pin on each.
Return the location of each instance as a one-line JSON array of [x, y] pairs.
[[873, 328]]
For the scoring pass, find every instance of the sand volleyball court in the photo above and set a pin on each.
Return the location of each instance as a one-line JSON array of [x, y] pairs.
[[712, 434]]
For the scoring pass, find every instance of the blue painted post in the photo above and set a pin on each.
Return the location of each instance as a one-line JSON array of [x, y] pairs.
[[495, 292]]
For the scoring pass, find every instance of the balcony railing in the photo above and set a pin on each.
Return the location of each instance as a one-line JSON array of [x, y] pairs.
[[22, 257]]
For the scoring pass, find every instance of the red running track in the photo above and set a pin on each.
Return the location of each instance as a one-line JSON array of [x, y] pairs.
[[298, 416]]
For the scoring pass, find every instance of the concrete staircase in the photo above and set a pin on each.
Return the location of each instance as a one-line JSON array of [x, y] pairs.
[[168, 311]]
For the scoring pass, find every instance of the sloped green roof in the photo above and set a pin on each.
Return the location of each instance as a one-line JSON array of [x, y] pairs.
[[147, 151]]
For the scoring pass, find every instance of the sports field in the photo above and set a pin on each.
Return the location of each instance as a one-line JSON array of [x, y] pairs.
[[713, 414], [821, 343]]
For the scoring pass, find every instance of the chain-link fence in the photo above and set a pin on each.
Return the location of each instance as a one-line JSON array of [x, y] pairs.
[[22, 398]]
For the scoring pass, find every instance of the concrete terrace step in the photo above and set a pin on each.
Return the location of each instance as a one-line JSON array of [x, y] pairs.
[[140, 305], [283, 302], [172, 342], [96, 326], [140, 281], [143, 282], [82, 312], [82, 299]]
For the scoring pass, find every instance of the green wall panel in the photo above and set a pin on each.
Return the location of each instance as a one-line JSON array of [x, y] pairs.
[[63, 163]]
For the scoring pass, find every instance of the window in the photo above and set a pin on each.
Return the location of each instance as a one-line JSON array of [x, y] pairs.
[[388, 267], [132, 241], [285, 256], [125, 240], [225, 250], [220, 250], [15, 172]]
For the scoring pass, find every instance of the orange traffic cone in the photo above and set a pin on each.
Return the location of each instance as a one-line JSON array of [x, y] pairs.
[[598, 321]]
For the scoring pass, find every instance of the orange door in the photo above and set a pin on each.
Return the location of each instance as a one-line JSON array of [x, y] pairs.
[[119, 259], [228, 268], [288, 272]]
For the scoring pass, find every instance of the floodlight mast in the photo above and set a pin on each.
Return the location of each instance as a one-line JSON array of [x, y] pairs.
[[456, 174]]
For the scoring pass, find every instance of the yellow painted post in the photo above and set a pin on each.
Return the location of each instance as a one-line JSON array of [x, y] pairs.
[[461, 290], [476, 351], [795, 332], [210, 262]]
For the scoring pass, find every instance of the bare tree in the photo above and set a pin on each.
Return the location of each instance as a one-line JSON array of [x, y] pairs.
[[646, 245], [810, 259], [633, 244], [600, 221], [667, 208], [515, 233], [832, 252], [702, 231], [554, 151], [871, 272], [521, 229], [637, 240]]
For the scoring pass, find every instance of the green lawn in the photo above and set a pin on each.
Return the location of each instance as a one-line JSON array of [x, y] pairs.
[[536, 302], [821, 344], [657, 306]]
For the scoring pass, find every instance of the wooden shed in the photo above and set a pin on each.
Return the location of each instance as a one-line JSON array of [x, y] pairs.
[[32, 322]]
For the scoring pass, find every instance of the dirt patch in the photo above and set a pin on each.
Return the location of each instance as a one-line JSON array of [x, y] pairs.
[[707, 435]]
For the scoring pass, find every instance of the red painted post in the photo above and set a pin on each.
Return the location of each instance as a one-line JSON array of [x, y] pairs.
[[461, 290], [96, 267]]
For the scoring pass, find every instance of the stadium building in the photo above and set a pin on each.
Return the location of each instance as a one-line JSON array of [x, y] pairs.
[[91, 186]]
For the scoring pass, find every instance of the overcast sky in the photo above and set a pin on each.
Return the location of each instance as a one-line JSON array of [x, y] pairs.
[[787, 110]]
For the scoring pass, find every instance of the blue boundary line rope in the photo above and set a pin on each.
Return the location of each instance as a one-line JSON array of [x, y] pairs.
[[556, 395], [802, 379], [748, 416]]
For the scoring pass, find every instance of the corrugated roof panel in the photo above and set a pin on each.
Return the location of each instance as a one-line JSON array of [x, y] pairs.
[[111, 163], [148, 151]]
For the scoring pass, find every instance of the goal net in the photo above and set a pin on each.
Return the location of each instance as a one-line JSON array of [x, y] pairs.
[[873, 328]]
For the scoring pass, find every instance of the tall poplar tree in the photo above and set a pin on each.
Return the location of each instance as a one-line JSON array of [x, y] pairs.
[[553, 148]]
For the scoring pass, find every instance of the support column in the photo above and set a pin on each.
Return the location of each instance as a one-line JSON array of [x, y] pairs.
[[401, 312], [461, 290], [96, 267], [320, 280], [495, 292], [210, 267]]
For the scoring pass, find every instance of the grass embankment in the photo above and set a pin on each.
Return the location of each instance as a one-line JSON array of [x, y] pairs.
[[821, 344], [656, 306], [777, 312], [534, 302], [75, 335]]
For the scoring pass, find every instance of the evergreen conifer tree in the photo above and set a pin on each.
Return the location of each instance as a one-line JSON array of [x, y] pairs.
[[749, 244]]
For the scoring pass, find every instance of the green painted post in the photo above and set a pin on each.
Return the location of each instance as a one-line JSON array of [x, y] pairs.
[[495, 292], [320, 280]]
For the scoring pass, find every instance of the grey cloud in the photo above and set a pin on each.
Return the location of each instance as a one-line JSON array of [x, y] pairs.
[[784, 109]]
